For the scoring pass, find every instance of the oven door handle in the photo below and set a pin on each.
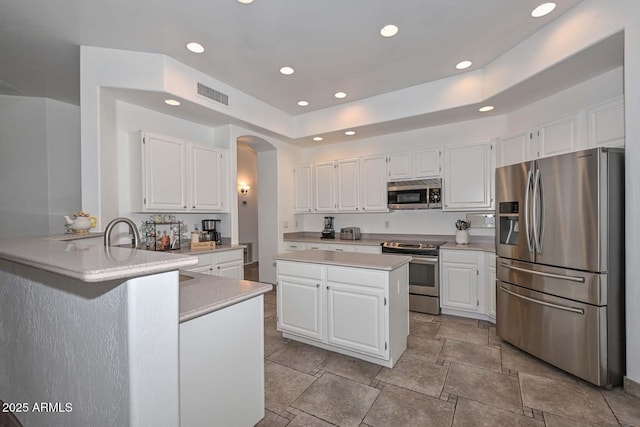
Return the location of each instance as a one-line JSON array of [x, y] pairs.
[[424, 260], [547, 304]]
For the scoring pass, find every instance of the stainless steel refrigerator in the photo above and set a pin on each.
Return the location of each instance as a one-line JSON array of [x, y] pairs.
[[560, 265]]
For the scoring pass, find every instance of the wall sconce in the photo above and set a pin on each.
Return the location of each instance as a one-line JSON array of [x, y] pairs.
[[244, 189]]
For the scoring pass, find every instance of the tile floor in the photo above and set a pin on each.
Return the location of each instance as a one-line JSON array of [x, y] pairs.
[[455, 372]]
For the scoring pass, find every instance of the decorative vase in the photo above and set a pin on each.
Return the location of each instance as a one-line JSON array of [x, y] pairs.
[[462, 237]]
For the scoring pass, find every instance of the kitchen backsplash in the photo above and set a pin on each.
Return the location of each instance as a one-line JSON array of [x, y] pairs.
[[433, 221]]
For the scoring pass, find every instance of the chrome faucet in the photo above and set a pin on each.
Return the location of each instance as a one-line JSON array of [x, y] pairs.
[[132, 230]]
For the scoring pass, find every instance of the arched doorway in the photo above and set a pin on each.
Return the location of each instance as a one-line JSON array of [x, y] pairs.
[[258, 209]]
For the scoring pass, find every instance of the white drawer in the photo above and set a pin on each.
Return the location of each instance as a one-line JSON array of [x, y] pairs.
[[294, 246], [356, 276], [343, 248], [228, 256], [462, 256], [364, 249], [319, 246], [204, 259], [299, 269]]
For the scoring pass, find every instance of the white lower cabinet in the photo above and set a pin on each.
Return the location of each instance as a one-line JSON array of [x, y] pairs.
[[467, 283], [490, 283], [291, 246], [355, 311], [356, 318], [223, 263]]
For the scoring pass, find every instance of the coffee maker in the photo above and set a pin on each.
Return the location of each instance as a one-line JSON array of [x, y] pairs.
[[328, 232], [212, 227]]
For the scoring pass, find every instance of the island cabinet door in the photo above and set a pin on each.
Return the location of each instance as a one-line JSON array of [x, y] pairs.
[[356, 318], [300, 306]]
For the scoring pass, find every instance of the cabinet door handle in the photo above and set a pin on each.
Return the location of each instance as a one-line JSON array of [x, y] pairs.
[[218, 267], [193, 207], [327, 287], [185, 206], [317, 285]]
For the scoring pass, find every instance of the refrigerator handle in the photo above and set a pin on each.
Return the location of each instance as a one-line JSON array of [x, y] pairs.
[[536, 212], [527, 211], [540, 210]]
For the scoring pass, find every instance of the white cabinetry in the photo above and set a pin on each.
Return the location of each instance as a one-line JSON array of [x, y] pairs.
[[347, 185], [228, 263], [206, 178], [559, 136], [606, 124], [172, 175], [355, 311], [373, 184], [490, 283], [460, 273], [300, 300], [302, 189], [468, 283], [468, 177], [292, 246], [421, 163], [600, 125], [356, 317], [324, 187]]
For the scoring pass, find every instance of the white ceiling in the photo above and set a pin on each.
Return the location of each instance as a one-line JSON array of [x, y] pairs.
[[332, 44]]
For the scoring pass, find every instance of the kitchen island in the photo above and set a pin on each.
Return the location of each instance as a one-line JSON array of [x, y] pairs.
[[94, 332], [351, 303]]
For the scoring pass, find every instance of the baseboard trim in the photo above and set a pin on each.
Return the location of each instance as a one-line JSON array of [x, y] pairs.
[[631, 387]]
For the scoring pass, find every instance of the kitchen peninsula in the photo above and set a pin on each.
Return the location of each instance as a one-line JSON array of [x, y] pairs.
[[352, 303], [101, 331]]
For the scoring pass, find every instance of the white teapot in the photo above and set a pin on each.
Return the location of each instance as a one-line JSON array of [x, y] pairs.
[[82, 224]]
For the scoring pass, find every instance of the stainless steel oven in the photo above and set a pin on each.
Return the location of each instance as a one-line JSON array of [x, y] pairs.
[[424, 286]]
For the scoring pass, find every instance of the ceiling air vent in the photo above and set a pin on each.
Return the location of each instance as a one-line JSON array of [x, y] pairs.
[[213, 94]]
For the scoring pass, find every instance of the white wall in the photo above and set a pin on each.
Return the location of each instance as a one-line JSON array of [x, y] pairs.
[[39, 165]]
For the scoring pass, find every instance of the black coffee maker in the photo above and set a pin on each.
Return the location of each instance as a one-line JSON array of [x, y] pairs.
[[212, 227]]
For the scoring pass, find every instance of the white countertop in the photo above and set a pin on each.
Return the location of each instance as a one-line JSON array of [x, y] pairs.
[[201, 294], [347, 259], [87, 259]]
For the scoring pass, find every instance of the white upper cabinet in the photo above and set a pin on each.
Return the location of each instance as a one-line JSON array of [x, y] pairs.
[[399, 166], [559, 136], [206, 178], [373, 184], [351, 185], [418, 164], [427, 162], [347, 185], [175, 176], [606, 124], [600, 125], [164, 171], [324, 187], [468, 177], [302, 189], [515, 149]]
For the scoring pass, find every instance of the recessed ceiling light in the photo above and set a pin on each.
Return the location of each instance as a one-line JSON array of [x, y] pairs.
[[195, 47], [245, 1], [318, 138], [340, 95], [463, 65], [303, 103], [486, 108], [286, 70], [172, 102], [543, 9], [350, 132], [389, 31]]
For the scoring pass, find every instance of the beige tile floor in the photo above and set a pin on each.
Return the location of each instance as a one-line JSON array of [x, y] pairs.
[[455, 372]]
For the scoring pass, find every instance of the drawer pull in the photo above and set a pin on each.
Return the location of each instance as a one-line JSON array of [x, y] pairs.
[[547, 304]]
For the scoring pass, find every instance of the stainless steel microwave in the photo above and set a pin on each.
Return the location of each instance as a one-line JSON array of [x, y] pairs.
[[418, 194]]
